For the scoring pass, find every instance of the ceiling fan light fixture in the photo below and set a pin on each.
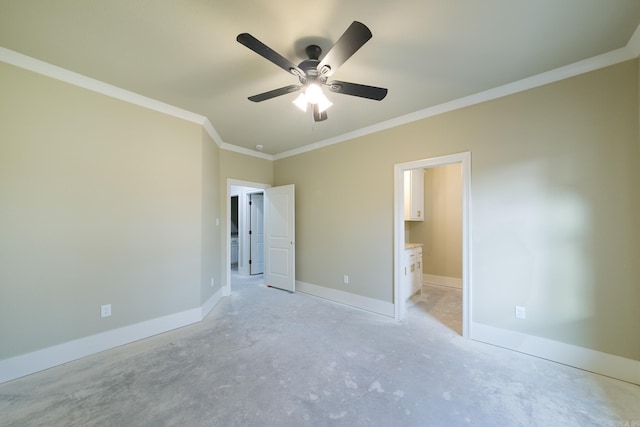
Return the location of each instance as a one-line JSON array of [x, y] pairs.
[[301, 102], [312, 95], [323, 103], [313, 72]]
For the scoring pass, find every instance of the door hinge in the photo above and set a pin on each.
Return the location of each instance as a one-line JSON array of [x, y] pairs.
[[249, 262]]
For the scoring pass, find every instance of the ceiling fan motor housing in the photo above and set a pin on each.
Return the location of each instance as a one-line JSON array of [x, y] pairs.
[[310, 66], [313, 51]]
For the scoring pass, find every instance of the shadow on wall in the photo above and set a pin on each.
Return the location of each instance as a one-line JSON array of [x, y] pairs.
[[550, 226]]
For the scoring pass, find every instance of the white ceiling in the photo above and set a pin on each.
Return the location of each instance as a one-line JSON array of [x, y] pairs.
[[426, 52]]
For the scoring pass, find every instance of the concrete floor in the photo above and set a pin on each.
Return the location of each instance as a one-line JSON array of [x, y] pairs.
[[264, 357]]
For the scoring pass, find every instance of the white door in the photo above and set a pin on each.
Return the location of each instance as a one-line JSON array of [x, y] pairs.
[[256, 234], [279, 231]]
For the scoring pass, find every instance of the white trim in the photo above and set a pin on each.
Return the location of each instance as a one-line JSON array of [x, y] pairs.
[[632, 50], [59, 354], [347, 298], [399, 239], [79, 80], [67, 76], [400, 307], [246, 151], [208, 127], [579, 357], [634, 43], [451, 282], [211, 302], [29, 363]]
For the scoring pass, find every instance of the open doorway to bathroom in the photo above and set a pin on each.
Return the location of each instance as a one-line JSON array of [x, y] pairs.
[[435, 239], [432, 248]]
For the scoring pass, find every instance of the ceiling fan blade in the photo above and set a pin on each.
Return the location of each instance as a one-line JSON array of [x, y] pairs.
[[273, 93], [317, 115], [266, 52], [355, 89], [353, 39]]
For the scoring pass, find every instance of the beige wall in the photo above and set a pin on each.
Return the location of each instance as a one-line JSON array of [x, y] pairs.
[[344, 206], [441, 231], [554, 208], [245, 168], [102, 202], [240, 167], [106, 202]]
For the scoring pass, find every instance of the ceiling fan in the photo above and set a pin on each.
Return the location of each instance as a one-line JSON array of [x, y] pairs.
[[313, 72]]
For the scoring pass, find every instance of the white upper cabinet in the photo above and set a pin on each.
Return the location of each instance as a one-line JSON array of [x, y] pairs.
[[414, 195]]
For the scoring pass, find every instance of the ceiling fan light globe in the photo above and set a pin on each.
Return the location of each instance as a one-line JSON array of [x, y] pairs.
[[323, 103], [313, 93], [301, 102]]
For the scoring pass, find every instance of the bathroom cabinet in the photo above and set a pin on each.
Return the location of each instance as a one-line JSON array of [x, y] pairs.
[[412, 270], [414, 195]]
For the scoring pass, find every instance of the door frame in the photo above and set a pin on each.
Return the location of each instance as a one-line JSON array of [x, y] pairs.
[[464, 159], [226, 289], [250, 236]]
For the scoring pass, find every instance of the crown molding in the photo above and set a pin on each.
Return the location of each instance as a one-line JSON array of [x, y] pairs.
[[53, 71], [246, 151], [630, 51], [67, 76], [634, 43], [208, 127]]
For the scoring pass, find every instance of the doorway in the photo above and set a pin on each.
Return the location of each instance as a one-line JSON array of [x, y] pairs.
[[275, 249], [247, 230], [244, 231], [234, 220], [464, 160]]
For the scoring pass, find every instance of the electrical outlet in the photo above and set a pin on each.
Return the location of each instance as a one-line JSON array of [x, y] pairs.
[[346, 279], [105, 310], [521, 312]]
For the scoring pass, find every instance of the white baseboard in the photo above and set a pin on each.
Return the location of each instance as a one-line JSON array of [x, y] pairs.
[[358, 301], [29, 363], [211, 302], [590, 360], [451, 282]]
